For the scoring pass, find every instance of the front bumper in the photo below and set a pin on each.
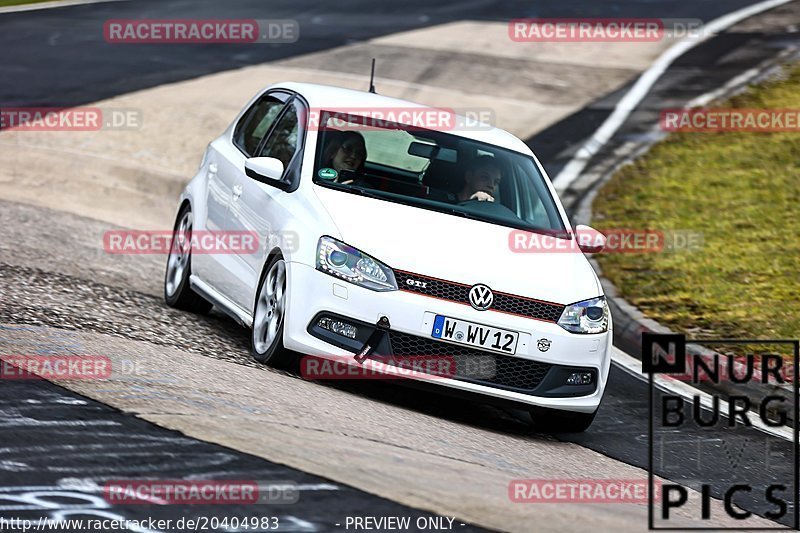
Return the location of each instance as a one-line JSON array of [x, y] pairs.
[[313, 293]]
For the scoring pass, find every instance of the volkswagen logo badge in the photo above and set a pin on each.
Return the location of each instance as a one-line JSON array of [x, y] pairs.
[[481, 297], [543, 344]]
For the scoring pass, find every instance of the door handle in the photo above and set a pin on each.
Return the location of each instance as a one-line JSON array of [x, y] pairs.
[[237, 192]]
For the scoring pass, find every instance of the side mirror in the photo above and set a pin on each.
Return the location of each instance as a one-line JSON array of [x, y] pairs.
[[589, 239], [267, 170]]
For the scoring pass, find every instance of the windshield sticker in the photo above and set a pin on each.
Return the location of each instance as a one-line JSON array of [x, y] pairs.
[[327, 173]]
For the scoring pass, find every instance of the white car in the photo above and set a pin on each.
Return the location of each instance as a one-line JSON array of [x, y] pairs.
[[379, 240]]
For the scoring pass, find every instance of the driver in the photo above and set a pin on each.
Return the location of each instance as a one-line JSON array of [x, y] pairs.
[[480, 180]]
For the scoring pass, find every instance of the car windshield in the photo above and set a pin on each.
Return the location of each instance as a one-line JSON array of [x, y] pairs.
[[433, 170]]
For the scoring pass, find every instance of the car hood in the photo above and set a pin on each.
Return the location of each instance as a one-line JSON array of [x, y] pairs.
[[456, 249]]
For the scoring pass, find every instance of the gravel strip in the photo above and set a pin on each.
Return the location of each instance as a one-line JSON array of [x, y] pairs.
[[32, 296]]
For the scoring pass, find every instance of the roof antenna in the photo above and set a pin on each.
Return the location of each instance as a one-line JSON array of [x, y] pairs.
[[372, 78]]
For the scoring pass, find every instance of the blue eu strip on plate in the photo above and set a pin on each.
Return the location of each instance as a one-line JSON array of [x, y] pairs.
[[438, 326]]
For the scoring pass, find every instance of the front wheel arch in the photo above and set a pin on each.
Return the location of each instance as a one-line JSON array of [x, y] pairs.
[[267, 262], [276, 354]]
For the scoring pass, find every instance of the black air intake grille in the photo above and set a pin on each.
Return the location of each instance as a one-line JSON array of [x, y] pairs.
[[473, 365]]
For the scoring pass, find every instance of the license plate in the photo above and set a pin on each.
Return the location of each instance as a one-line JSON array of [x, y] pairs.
[[472, 334]]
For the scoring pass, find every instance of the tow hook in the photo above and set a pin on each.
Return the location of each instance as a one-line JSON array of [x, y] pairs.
[[381, 327]]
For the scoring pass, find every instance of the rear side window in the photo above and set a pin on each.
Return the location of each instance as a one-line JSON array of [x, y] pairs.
[[256, 123]]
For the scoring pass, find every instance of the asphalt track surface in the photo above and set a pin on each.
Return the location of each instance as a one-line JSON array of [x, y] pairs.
[[76, 440], [40, 72], [65, 425]]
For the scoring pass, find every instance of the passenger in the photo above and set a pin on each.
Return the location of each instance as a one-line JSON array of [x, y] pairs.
[[480, 180], [347, 151]]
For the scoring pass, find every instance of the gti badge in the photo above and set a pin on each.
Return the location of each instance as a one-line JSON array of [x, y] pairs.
[[481, 297], [416, 283], [544, 345]]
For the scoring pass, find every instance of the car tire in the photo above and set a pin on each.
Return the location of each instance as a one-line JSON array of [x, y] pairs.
[[177, 292], [269, 310], [558, 421]]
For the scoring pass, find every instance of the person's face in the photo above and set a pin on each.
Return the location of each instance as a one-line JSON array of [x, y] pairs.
[[349, 156], [485, 178]]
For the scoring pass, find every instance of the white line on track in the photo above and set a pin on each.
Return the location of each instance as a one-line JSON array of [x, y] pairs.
[[634, 367], [50, 5], [637, 93]]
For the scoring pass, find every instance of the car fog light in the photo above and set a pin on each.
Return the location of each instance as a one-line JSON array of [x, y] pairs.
[[338, 327], [579, 378]]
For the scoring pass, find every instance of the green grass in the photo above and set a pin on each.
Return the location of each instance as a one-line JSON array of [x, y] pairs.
[[741, 191]]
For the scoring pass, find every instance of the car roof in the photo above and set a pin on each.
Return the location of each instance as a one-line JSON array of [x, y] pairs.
[[321, 96]]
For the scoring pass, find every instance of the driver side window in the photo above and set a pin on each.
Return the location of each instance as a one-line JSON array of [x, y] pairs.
[[256, 123], [282, 143]]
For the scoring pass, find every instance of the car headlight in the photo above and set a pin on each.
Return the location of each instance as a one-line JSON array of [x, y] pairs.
[[588, 316], [345, 262]]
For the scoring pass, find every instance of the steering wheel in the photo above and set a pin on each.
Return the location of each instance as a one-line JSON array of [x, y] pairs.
[[489, 208], [479, 196]]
